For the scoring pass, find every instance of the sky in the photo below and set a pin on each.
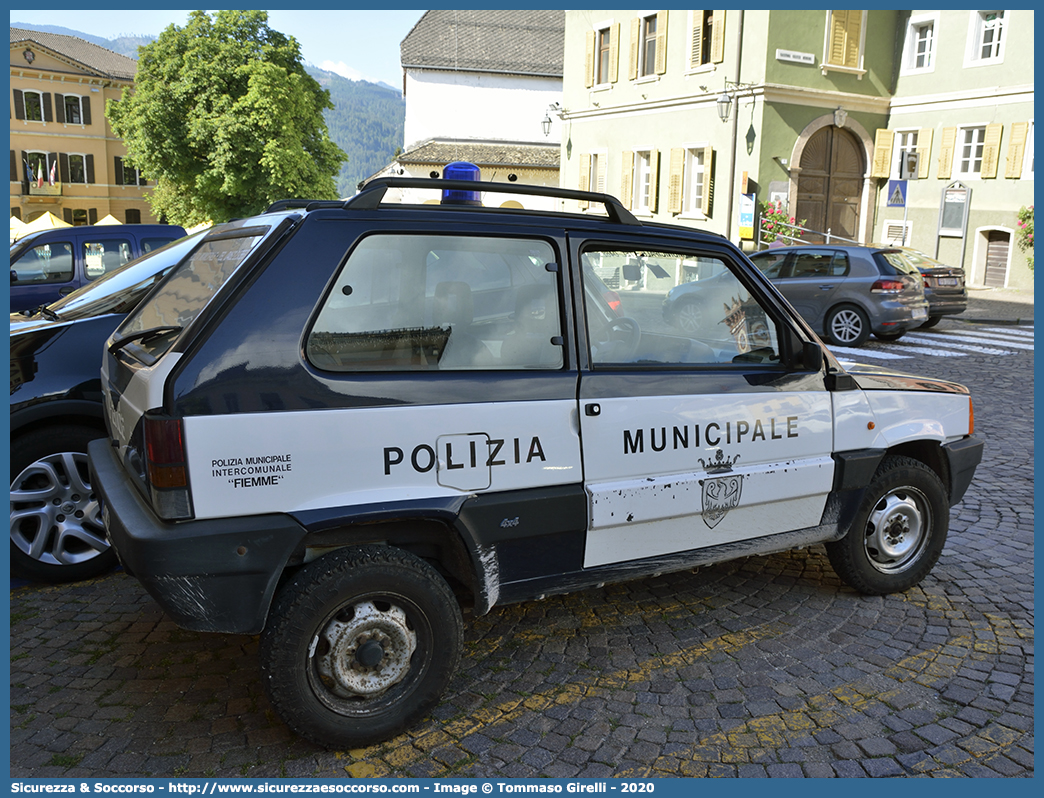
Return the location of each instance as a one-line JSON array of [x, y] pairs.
[[360, 45]]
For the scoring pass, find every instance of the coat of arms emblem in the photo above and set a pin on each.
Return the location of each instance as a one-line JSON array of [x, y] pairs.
[[720, 493]]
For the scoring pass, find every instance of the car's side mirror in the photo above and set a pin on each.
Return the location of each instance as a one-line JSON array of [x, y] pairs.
[[14, 277], [812, 355]]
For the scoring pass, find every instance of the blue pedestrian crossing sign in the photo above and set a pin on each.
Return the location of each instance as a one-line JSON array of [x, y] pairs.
[[896, 193]]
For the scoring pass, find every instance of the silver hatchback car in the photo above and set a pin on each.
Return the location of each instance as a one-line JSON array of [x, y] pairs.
[[849, 292]]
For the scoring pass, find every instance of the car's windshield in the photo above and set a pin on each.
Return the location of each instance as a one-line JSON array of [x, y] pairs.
[[121, 290]]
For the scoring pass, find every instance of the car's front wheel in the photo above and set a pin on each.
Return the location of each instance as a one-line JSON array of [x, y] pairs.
[[898, 532], [848, 325], [56, 529], [688, 316], [360, 645]]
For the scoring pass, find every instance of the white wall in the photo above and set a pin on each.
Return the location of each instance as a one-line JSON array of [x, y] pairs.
[[473, 105]]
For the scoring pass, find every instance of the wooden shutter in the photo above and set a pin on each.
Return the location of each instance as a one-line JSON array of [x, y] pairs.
[[118, 170], [696, 54], [991, 150], [845, 29], [63, 167], [590, 56], [632, 60], [19, 105], [67, 214], [48, 114], [14, 167], [675, 176], [90, 168], [614, 52], [883, 141], [708, 180], [654, 180], [59, 108], [718, 37], [85, 109], [92, 216], [661, 42], [25, 167], [924, 151], [946, 149], [1016, 149], [627, 179], [599, 175], [585, 177]]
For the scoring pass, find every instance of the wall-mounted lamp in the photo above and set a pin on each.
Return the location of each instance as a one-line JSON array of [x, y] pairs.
[[732, 90], [546, 123], [840, 116]]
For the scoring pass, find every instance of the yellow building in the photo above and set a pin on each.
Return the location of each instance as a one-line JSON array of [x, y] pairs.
[[64, 156]]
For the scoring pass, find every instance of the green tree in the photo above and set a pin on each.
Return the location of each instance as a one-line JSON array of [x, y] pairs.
[[226, 120]]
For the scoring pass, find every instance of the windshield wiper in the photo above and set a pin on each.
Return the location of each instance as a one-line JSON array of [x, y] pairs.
[[47, 313], [142, 335]]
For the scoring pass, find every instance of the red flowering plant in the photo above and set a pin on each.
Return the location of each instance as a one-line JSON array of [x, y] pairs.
[[777, 223], [1024, 234]]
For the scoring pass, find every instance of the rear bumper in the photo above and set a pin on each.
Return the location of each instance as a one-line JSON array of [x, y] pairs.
[[217, 575]]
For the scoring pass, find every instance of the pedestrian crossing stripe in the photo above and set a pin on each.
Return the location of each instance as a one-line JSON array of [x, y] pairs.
[[1021, 332], [950, 339], [943, 344]]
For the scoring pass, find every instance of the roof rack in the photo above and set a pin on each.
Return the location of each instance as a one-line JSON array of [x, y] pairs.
[[307, 204], [372, 194]]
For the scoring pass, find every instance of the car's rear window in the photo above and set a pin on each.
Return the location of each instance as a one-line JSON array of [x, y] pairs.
[[893, 262], [189, 289]]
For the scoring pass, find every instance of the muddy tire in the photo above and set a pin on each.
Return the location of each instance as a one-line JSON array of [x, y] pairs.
[[360, 646]]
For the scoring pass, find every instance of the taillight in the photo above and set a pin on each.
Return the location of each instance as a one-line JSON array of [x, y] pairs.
[[613, 299], [971, 417], [887, 287], [166, 467]]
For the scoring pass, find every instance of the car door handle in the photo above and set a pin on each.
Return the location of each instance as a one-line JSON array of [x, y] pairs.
[[592, 410], [826, 287]]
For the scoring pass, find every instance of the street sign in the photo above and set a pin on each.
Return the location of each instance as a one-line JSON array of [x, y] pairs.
[[908, 165], [746, 216], [896, 193]]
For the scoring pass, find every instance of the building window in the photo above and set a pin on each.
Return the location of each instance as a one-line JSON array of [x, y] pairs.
[[643, 181], [905, 142], [33, 106], [647, 58], [38, 167], [986, 38], [73, 110], [695, 181], [133, 216], [971, 142], [920, 45], [708, 36], [127, 175], [598, 164], [603, 56], [77, 168], [845, 35]]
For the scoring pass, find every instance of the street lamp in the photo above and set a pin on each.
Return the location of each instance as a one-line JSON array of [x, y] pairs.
[[546, 123], [725, 98]]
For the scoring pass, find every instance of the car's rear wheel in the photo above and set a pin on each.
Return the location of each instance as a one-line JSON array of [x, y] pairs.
[[932, 321], [56, 529], [847, 325], [898, 532], [360, 645]]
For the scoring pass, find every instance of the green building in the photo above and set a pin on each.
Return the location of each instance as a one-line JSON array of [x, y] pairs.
[[698, 117]]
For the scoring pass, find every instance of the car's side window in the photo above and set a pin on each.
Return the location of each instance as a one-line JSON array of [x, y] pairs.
[[105, 255], [672, 309], [771, 264], [446, 303], [44, 263]]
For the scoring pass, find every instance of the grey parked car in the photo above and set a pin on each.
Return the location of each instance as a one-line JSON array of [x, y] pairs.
[[944, 286], [846, 293]]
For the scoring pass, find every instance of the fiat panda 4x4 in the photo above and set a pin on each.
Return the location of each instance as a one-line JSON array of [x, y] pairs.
[[343, 425]]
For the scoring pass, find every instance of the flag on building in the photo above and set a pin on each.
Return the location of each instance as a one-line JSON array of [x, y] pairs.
[[29, 176], [50, 179]]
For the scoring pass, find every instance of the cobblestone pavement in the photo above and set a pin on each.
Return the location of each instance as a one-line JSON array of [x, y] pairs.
[[766, 666]]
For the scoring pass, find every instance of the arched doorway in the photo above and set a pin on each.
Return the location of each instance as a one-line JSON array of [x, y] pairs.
[[830, 183]]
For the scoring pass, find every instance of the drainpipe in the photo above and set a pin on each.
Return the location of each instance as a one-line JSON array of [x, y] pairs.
[[735, 132]]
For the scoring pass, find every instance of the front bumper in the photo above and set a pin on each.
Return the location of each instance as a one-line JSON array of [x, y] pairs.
[[216, 575]]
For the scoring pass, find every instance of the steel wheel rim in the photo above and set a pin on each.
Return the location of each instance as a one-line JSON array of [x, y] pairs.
[[846, 326], [898, 530], [55, 516], [337, 669]]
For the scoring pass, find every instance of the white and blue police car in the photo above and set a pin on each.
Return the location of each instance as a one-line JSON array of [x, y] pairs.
[[341, 425]]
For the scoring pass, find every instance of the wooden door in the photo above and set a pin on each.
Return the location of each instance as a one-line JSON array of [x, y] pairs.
[[831, 184], [997, 244]]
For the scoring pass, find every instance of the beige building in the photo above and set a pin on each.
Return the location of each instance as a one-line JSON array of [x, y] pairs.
[[64, 156]]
